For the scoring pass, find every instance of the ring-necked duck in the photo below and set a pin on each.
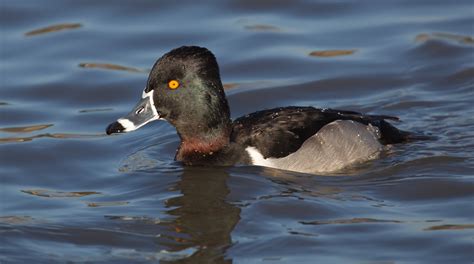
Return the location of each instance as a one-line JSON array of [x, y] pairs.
[[185, 89]]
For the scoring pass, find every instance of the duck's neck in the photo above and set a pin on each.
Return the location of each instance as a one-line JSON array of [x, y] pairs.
[[199, 146]]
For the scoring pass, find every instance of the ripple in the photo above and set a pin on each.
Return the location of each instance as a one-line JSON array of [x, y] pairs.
[[228, 86], [141, 219], [49, 135], [107, 204], [332, 53], [110, 66], [263, 28], [16, 220], [435, 48], [461, 39], [54, 28], [449, 227], [350, 221], [58, 194], [93, 110], [25, 129]]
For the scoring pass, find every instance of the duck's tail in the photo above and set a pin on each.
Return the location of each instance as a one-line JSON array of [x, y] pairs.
[[393, 135]]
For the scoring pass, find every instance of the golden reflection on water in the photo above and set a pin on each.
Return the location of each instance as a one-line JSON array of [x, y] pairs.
[[95, 110], [461, 39], [331, 53], [50, 135], [16, 219], [228, 86], [25, 129], [103, 204], [58, 194], [134, 219], [110, 66], [262, 27], [54, 28], [449, 227]]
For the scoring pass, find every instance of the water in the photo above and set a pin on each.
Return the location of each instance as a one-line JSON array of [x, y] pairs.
[[70, 193]]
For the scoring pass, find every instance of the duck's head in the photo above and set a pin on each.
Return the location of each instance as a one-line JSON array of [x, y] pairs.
[[185, 89]]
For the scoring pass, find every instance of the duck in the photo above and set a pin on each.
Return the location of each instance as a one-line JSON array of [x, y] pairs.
[[185, 89]]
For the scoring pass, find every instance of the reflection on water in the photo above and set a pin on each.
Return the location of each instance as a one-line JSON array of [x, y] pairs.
[[25, 129], [95, 110], [102, 204], [351, 221], [331, 53], [53, 28], [445, 36], [261, 27], [58, 194], [16, 220], [203, 216], [49, 135], [449, 227], [109, 66]]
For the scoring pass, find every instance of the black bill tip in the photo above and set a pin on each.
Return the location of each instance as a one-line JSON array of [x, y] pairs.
[[115, 127]]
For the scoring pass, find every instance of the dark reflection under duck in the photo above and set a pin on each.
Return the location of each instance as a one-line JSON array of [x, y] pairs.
[[203, 218]]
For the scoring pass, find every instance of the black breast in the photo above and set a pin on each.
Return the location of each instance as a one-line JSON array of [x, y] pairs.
[[281, 131]]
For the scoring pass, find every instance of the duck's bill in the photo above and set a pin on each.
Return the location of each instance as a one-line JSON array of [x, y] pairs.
[[144, 112]]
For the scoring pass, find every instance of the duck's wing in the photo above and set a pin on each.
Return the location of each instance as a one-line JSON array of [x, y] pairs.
[[281, 131]]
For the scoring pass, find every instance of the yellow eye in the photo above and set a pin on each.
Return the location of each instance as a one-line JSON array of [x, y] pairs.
[[173, 84]]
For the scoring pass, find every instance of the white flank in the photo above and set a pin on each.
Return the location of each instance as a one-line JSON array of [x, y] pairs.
[[337, 145], [257, 157]]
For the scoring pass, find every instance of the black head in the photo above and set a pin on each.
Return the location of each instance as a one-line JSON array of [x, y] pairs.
[[184, 87], [198, 103]]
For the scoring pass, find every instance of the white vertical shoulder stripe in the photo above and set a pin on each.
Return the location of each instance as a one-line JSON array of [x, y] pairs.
[[257, 157]]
